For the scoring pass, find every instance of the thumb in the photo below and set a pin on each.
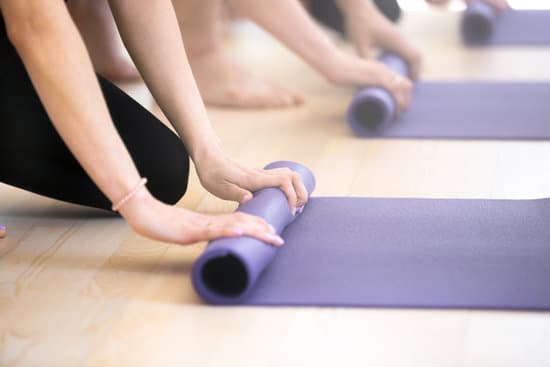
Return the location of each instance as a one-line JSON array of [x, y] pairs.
[[235, 193]]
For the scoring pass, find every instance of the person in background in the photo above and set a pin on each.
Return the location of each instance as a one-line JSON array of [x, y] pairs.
[[223, 82]]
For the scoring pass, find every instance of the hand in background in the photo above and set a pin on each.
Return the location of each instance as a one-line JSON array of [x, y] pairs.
[[348, 69], [367, 27]]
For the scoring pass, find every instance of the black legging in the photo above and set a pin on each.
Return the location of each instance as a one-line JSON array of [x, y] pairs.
[[34, 157], [326, 12]]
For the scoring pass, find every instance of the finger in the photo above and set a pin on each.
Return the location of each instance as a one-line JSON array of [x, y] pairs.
[[414, 60], [253, 226], [300, 189], [405, 86], [298, 185], [415, 69], [407, 89], [396, 89], [261, 230], [286, 186], [261, 223], [284, 178], [235, 193]]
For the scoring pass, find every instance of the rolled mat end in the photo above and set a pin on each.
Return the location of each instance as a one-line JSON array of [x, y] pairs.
[[373, 107], [228, 268], [477, 23]]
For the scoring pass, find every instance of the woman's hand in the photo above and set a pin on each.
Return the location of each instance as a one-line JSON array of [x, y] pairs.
[[366, 27], [375, 30], [154, 219], [230, 180], [348, 69]]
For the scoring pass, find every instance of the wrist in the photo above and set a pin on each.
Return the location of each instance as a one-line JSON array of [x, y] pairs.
[[138, 207], [203, 144], [334, 67], [206, 151]]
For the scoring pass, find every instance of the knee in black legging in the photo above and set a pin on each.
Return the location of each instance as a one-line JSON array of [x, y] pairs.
[[168, 178]]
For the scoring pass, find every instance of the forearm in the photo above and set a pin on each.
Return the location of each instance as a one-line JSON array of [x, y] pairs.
[[347, 7], [151, 34], [289, 22], [59, 68]]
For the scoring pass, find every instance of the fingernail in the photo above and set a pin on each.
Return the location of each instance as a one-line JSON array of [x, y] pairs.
[[294, 211], [301, 209], [246, 198], [278, 240], [272, 228], [238, 231]]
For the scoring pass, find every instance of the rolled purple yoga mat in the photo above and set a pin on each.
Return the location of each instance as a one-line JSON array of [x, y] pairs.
[[478, 22], [374, 107], [454, 110], [483, 25], [228, 269], [380, 252]]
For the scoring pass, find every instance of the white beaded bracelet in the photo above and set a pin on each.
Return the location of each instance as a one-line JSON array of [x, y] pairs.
[[129, 195]]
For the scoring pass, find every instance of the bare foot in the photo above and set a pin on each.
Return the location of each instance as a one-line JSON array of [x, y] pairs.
[[223, 82], [97, 27]]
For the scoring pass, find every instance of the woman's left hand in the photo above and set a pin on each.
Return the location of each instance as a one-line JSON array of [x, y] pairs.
[[230, 180], [367, 27]]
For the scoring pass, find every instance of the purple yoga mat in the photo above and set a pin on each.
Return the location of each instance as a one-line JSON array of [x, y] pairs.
[[374, 107], [455, 110], [365, 252], [228, 269], [481, 24]]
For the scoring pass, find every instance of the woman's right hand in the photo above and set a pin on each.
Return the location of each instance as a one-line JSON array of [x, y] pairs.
[[352, 70], [154, 219]]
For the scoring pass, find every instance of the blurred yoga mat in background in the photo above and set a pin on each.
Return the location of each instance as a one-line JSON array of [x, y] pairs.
[[453, 110], [483, 25], [365, 252]]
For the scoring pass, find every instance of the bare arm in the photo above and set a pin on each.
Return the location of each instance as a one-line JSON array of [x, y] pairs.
[[58, 64], [151, 33], [61, 72], [291, 24]]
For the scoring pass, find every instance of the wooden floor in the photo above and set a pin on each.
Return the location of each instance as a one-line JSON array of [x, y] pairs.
[[78, 288]]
